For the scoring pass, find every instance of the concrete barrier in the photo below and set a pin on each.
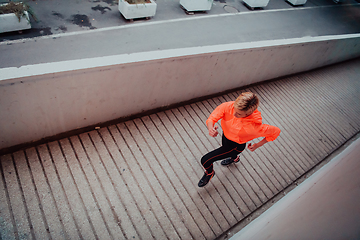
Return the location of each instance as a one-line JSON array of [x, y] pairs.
[[309, 210], [39, 101]]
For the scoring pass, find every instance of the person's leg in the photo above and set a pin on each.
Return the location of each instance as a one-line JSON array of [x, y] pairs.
[[229, 149], [235, 158], [218, 154]]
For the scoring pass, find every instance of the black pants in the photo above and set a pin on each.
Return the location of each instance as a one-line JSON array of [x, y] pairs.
[[228, 149]]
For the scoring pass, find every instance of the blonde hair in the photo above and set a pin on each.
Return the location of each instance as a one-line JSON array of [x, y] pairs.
[[247, 102]]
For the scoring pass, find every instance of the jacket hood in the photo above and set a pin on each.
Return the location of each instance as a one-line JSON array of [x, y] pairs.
[[255, 117]]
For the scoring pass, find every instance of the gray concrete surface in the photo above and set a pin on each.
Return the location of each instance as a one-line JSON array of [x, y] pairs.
[[138, 179], [170, 28], [140, 176], [325, 206], [92, 92]]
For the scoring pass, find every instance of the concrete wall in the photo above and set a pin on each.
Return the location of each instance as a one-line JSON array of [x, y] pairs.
[[43, 100], [325, 206]]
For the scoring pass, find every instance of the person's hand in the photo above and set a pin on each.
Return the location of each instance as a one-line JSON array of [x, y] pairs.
[[213, 131], [252, 147]]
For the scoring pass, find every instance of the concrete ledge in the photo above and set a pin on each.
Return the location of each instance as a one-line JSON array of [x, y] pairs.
[[43, 100], [325, 206]]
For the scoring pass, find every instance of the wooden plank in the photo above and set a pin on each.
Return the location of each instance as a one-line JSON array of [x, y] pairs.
[[344, 110], [22, 226], [37, 218], [339, 83], [148, 182], [191, 166], [309, 112], [159, 229], [54, 163], [288, 147], [294, 130], [95, 184], [176, 160], [155, 175], [317, 114], [290, 131], [137, 183], [7, 222], [154, 140], [123, 193], [56, 209], [82, 186], [119, 213]]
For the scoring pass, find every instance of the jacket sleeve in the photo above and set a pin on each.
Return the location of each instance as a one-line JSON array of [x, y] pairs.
[[270, 132], [217, 114]]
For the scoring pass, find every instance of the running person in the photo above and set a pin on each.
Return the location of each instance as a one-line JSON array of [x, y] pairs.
[[241, 122]]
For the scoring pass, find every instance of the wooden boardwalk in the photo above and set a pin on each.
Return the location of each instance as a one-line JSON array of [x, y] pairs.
[[138, 179]]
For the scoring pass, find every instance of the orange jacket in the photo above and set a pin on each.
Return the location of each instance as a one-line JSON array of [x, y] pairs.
[[242, 130]]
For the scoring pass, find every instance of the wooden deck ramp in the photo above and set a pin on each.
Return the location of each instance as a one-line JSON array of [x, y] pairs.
[[138, 179]]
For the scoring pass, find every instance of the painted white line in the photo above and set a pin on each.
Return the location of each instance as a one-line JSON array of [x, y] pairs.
[[142, 24], [89, 63]]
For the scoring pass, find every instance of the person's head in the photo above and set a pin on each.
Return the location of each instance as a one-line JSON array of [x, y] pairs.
[[245, 104]]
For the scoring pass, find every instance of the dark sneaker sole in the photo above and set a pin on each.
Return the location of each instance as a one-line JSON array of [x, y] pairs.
[[205, 179], [229, 161]]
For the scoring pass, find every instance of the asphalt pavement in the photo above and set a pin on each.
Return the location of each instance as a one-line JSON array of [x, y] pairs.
[[68, 29]]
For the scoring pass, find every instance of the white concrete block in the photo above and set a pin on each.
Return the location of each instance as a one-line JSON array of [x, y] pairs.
[[256, 3], [297, 2], [132, 11], [196, 5], [9, 22]]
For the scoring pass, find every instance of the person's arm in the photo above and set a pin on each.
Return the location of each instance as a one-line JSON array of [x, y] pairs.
[[253, 147], [269, 132], [214, 117], [212, 129]]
